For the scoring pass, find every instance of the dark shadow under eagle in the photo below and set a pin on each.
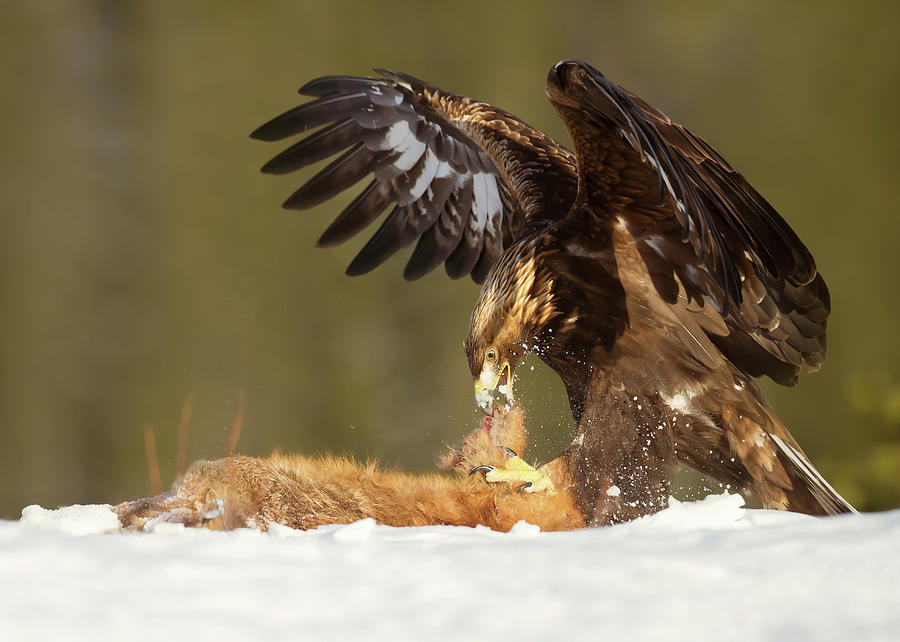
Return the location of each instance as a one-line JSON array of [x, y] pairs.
[[642, 268]]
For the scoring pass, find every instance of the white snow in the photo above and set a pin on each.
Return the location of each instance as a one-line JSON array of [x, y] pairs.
[[702, 570]]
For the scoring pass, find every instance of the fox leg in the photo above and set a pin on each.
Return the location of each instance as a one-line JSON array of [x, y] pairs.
[[173, 509], [218, 495]]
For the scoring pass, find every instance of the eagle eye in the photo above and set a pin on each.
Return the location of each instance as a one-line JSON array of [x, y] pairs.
[[491, 355]]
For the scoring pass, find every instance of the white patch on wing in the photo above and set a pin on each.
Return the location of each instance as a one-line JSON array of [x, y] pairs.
[[443, 170], [683, 400], [494, 204], [411, 151], [394, 136], [480, 203], [426, 176], [680, 403]]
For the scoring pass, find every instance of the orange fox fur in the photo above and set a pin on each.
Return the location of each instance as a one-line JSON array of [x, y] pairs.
[[306, 492]]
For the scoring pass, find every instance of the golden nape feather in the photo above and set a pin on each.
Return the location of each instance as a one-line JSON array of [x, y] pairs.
[[306, 492]]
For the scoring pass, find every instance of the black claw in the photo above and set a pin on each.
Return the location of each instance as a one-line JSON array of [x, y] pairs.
[[524, 486], [481, 469], [509, 451]]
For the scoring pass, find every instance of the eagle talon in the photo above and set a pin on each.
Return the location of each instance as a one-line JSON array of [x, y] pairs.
[[481, 469], [516, 471]]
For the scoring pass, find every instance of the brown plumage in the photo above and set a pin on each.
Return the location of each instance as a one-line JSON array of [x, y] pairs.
[[642, 268], [306, 492]]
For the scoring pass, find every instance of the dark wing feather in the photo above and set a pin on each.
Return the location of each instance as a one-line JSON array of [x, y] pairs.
[[720, 212], [705, 235], [340, 174], [324, 143], [453, 167], [364, 209]]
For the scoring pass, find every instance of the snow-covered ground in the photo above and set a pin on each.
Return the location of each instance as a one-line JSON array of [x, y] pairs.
[[707, 570]]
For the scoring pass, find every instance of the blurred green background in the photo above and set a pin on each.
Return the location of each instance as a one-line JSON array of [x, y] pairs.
[[145, 259]]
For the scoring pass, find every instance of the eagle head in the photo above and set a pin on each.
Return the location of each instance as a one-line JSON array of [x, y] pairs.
[[514, 306]]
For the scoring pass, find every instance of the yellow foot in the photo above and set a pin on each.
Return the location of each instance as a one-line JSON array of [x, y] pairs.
[[516, 470]]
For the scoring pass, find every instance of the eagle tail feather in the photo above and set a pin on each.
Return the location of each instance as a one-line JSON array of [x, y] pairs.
[[801, 469]]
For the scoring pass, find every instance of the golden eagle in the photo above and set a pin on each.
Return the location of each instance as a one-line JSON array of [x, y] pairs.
[[641, 267]]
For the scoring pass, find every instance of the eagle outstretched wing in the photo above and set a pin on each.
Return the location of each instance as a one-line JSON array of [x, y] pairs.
[[459, 172], [711, 244]]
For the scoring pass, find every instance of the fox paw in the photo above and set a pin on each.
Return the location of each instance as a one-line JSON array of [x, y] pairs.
[[516, 471], [145, 514]]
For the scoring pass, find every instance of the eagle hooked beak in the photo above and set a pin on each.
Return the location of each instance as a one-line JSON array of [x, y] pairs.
[[491, 381]]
